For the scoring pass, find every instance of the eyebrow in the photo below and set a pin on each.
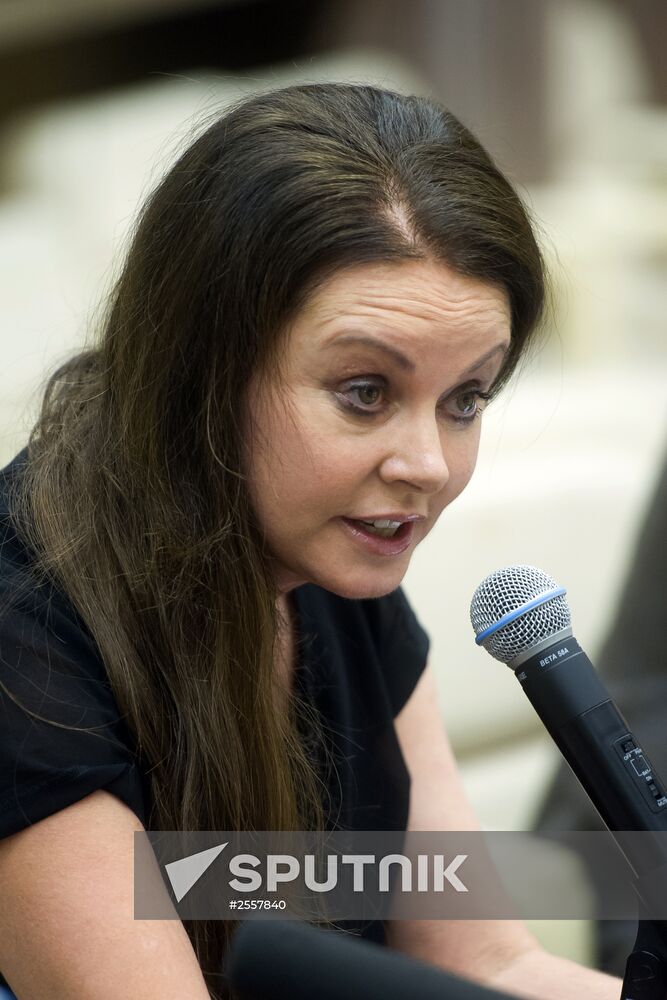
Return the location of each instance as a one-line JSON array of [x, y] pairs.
[[404, 362]]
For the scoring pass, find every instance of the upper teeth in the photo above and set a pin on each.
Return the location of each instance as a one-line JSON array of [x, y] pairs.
[[384, 524]]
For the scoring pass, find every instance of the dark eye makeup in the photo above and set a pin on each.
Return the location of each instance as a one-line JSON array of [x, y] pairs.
[[463, 405]]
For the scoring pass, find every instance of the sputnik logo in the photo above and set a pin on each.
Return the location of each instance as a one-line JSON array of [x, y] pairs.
[[184, 873]]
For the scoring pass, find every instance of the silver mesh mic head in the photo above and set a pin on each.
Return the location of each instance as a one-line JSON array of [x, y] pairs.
[[516, 609]]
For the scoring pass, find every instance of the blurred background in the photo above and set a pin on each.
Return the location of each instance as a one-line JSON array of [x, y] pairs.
[[98, 96]]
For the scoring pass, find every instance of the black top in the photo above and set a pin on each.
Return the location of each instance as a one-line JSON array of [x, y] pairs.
[[358, 662]]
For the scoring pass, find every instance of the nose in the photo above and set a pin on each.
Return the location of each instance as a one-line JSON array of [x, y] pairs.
[[417, 456]]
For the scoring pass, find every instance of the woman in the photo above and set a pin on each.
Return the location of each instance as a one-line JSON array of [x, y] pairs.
[[319, 299]]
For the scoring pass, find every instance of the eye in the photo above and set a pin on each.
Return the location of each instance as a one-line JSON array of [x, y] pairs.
[[367, 393], [462, 407], [467, 404]]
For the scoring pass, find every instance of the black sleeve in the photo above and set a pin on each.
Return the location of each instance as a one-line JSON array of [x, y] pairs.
[[76, 741]]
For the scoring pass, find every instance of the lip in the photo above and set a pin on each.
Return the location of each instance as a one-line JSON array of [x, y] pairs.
[[381, 546], [392, 517]]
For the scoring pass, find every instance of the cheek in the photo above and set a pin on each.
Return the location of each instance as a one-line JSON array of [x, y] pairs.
[[462, 464], [325, 473], [296, 466]]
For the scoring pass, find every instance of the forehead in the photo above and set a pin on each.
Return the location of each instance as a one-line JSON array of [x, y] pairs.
[[409, 297]]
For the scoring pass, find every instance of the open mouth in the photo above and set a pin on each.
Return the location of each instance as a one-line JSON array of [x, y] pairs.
[[378, 540], [390, 532]]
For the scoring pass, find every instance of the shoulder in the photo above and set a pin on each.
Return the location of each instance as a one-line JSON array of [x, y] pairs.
[[12, 551], [63, 735]]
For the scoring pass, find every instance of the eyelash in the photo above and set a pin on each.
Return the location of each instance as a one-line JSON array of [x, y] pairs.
[[362, 412]]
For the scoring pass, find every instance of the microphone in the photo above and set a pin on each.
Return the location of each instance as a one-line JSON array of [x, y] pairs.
[[521, 617], [289, 960]]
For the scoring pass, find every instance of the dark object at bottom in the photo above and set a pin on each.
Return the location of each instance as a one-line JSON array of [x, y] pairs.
[[646, 968], [276, 960]]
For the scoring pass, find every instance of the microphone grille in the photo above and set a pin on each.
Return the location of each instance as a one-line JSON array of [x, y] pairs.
[[504, 593]]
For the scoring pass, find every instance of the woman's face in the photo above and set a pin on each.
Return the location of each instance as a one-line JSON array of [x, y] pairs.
[[358, 433]]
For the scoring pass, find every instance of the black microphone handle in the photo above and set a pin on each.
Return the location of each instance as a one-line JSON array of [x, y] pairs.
[[596, 741], [290, 960]]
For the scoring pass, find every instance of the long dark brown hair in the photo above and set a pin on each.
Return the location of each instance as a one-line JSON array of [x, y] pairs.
[[135, 497]]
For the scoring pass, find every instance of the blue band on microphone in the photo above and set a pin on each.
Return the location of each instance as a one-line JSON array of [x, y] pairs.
[[518, 612]]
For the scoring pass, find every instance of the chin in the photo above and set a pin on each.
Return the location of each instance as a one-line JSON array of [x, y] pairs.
[[371, 586]]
